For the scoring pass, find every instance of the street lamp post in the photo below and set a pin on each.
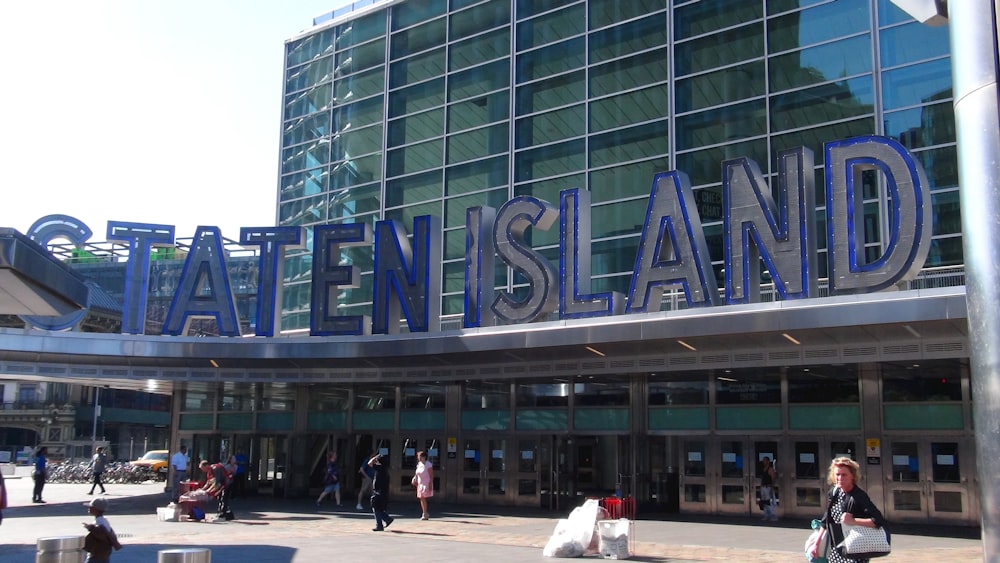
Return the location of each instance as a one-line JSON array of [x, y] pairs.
[[97, 413], [975, 58]]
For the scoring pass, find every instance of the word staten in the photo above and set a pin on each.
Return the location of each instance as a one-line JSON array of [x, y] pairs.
[[672, 251]]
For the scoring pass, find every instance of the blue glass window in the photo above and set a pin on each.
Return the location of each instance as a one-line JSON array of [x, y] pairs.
[[485, 16], [413, 189], [832, 61], [357, 142], [476, 175], [917, 84], [417, 68], [365, 112], [912, 43], [719, 49], [547, 94], [707, 17], [627, 180], [623, 145], [478, 111], [414, 158], [827, 102], [478, 143], [551, 126], [554, 59], [720, 125], [552, 27], [417, 39], [415, 98], [817, 25], [628, 38], [307, 75], [306, 129], [608, 12], [416, 127], [629, 108], [922, 127], [356, 171], [626, 74], [719, 87], [412, 13], [479, 80], [476, 50], [358, 86]]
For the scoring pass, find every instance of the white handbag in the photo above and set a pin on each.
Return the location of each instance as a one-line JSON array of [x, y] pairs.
[[861, 542]]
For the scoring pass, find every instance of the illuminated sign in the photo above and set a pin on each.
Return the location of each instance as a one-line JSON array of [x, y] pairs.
[[672, 251]]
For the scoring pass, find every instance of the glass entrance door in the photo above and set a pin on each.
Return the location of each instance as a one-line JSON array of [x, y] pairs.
[[529, 472], [408, 464], [484, 467], [721, 475], [928, 479], [805, 472]]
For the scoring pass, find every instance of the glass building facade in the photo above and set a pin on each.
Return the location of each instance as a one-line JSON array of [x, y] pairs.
[[394, 110], [398, 109]]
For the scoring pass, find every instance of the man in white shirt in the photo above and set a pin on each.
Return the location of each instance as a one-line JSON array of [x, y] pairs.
[[179, 464]]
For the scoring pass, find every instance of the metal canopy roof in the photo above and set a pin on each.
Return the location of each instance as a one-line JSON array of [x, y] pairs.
[[33, 282], [898, 325]]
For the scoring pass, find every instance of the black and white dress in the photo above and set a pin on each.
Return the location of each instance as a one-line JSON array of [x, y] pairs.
[[837, 509]]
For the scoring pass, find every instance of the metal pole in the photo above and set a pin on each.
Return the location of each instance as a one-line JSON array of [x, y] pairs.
[[97, 410], [973, 27]]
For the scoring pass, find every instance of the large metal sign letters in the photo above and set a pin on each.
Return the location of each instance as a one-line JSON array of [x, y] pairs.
[[778, 233]]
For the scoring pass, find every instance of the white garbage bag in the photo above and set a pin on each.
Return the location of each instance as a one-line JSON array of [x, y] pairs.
[[573, 535]]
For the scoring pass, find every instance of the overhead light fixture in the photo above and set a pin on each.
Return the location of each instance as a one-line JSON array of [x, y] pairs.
[[913, 332], [790, 338], [214, 364], [686, 345], [595, 350], [730, 379]]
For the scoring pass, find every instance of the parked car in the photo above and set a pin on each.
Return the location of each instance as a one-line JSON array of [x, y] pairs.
[[156, 461]]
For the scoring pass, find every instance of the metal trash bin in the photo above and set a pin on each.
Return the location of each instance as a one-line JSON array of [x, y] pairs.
[[60, 549], [184, 555]]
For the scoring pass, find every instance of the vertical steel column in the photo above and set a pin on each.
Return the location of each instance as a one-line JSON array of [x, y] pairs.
[[973, 28]]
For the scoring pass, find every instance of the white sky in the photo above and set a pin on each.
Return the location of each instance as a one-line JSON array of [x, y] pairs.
[[150, 111]]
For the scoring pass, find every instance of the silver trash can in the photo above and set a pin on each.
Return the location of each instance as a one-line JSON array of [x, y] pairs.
[[60, 549], [184, 555]]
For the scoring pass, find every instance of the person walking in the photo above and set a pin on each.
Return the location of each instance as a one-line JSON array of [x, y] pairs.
[[847, 504], [380, 493], [97, 466], [39, 474], [331, 479], [767, 499], [101, 538], [423, 479], [179, 465], [367, 474]]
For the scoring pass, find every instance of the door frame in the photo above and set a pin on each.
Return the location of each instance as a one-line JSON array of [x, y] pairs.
[[925, 485], [713, 481], [493, 468]]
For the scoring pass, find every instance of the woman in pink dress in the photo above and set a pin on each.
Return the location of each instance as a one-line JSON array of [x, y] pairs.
[[423, 479]]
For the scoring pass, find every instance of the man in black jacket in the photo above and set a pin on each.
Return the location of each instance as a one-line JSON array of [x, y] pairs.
[[380, 493]]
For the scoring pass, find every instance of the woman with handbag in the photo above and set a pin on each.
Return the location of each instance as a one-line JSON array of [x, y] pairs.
[[848, 505]]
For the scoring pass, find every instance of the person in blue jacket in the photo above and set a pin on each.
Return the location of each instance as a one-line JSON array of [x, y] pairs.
[[39, 474]]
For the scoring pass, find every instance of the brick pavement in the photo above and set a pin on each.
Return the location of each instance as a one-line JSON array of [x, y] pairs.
[[295, 530]]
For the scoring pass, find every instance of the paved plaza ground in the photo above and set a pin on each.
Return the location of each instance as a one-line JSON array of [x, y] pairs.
[[268, 530]]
